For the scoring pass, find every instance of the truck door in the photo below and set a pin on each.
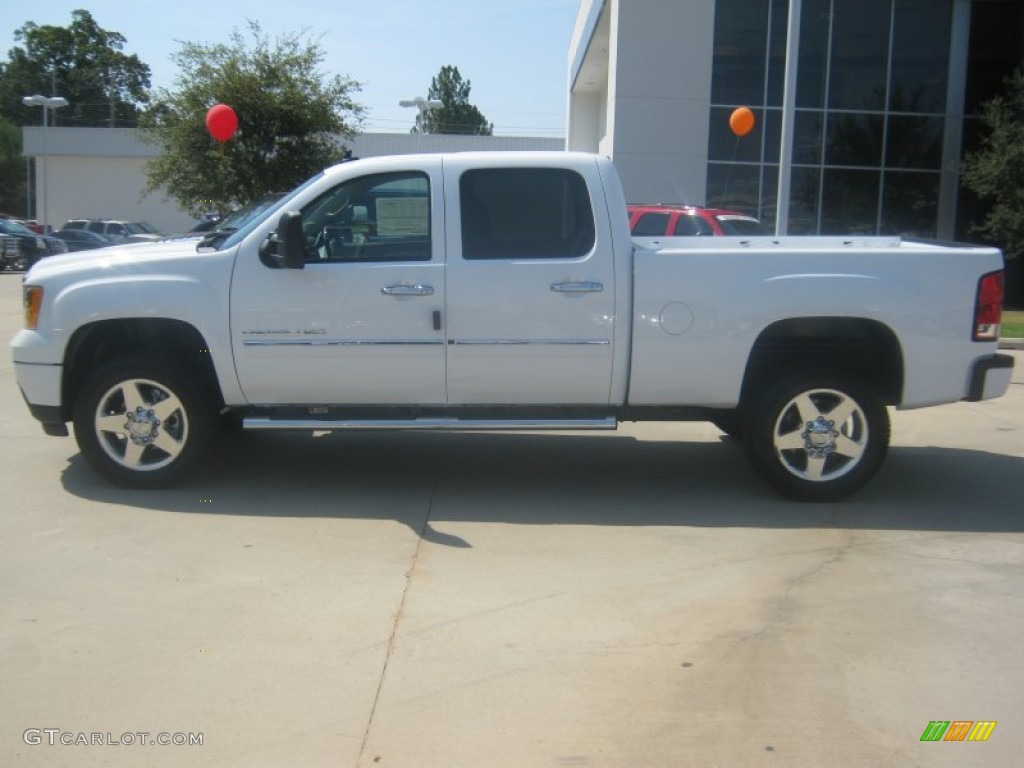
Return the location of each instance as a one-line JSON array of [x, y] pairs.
[[531, 300], [361, 322]]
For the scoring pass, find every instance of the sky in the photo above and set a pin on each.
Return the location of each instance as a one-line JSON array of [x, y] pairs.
[[514, 52]]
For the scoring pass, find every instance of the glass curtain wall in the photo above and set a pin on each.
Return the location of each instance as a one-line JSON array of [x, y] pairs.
[[870, 113]]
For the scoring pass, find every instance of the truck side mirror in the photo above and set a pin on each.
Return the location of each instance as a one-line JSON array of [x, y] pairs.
[[285, 248]]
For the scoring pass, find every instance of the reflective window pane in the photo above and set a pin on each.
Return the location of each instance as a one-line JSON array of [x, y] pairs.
[[772, 134], [854, 139], [741, 34], [803, 201], [914, 142], [725, 145], [733, 187], [996, 48], [849, 203], [807, 138], [814, 30], [777, 52], [769, 194], [920, 55], [910, 204], [860, 50]]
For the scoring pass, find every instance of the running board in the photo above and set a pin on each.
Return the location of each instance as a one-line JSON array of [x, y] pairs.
[[431, 423]]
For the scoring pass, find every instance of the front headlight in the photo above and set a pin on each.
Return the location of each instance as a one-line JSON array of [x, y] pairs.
[[40, 244], [33, 299]]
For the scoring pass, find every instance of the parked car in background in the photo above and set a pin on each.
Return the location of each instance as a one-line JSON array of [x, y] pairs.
[[82, 239], [10, 253], [117, 230], [660, 220], [31, 247], [31, 224]]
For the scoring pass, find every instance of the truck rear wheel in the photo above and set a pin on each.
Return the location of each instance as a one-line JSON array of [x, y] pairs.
[[140, 424], [817, 437]]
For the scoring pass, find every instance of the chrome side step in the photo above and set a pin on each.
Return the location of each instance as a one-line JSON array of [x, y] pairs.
[[445, 423]]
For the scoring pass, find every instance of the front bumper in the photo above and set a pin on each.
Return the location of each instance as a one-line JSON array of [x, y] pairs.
[[40, 385], [990, 378]]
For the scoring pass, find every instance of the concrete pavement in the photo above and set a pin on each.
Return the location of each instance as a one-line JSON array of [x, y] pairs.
[[636, 598]]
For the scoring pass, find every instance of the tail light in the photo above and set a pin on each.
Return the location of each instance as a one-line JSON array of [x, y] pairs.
[[988, 307]]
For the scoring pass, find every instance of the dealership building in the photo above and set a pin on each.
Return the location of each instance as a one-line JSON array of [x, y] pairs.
[[887, 100]]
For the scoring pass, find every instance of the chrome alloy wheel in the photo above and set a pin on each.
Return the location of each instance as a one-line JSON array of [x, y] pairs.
[[141, 425], [820, 435]]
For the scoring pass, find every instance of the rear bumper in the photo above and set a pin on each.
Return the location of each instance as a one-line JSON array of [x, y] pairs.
[[990, 378]]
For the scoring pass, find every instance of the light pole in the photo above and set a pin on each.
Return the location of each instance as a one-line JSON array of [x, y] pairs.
[[47, 103], [423, 106]]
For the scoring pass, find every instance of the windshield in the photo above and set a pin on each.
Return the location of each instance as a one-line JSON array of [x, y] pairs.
[[737, 226], [229, 234], [14, 228]]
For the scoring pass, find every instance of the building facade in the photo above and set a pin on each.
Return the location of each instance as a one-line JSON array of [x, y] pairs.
[[887, 99]]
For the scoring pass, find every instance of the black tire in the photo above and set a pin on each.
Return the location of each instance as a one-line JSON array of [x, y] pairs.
[[803, 453], [173, 422]]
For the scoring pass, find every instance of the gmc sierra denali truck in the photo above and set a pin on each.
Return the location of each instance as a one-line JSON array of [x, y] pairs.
[[502, 291]]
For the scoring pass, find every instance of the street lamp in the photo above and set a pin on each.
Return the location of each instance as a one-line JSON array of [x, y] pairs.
[[423, 106], [47, 103]]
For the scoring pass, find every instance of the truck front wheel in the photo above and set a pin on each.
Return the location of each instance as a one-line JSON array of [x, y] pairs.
[[141, 424], [817, 437]]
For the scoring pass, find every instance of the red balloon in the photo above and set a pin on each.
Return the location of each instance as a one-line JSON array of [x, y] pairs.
[[741, 121], [221, 122]]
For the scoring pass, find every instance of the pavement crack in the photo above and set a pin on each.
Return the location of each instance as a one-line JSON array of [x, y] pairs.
[[398, 614], [785, 602]]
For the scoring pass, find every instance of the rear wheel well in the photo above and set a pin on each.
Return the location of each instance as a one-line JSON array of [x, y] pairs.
[[173, 341], [866, 348]]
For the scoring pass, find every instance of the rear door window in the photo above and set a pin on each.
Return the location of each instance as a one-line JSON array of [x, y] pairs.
[[690, 225], [651, 225], [525, 213]]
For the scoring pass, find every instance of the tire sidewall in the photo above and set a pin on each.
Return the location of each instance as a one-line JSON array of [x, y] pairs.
[[195, 402], [760, 427]]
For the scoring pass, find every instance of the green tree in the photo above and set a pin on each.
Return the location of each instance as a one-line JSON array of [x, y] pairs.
[[457, 115], [12, 169], [995, 172], [84, 63], [290, 119]]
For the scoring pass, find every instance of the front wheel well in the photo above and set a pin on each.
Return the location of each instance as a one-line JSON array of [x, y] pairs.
[[866, 348], [173, 341]]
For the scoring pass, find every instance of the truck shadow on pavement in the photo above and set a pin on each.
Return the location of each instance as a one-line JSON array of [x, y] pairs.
[[545, 479]]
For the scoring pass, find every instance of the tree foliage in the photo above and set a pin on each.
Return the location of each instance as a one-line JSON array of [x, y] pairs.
[[457, 115], [82, 62], [12, 169], [290, 117], [995, 172]]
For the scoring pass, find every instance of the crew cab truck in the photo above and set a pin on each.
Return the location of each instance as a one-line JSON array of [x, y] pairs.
[[502, 291]]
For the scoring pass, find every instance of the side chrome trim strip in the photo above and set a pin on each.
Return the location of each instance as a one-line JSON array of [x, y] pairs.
[[342, 343], [531, 342], [431, 423]]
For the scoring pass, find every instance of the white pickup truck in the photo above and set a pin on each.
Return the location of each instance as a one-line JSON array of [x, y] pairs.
[[502, 291]]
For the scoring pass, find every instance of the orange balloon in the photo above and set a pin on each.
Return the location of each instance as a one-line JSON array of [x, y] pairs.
[[741, 121]]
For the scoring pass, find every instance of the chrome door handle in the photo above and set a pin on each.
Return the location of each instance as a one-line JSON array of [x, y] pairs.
[[408, 290], [577, 287]]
